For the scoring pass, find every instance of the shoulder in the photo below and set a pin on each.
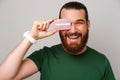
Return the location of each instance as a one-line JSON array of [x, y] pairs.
[[53, 48], [47, 50], [97, 55], [95, 52]]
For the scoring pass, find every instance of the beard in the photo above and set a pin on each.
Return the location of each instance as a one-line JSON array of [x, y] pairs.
[[74, 48]]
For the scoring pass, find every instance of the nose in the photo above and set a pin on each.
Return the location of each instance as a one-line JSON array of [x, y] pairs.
[[73, 28]]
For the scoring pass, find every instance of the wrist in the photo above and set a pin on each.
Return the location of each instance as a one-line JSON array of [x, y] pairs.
[[29, 37]]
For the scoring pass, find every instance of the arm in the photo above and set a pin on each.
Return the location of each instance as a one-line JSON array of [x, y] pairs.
[[26, 71], [14, 65]]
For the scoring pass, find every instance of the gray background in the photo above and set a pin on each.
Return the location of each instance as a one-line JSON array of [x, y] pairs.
[[17, 16]]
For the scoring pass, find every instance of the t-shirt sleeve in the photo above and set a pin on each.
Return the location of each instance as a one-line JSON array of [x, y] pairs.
[[108, 75], [36, 57]]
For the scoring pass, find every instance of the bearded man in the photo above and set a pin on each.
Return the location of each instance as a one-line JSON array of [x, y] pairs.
[[70, 60]]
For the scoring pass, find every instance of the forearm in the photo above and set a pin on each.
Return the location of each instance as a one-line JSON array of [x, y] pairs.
[[11, 64]]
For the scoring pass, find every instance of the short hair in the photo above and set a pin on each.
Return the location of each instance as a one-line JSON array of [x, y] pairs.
[[74, 5]]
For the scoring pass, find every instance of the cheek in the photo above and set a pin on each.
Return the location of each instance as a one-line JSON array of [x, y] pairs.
[[83, 30], [62, 33]]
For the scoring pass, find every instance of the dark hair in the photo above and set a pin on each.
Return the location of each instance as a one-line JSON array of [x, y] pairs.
[[74, 5]]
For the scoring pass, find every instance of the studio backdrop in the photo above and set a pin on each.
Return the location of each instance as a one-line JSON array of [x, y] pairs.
[[17, 16]]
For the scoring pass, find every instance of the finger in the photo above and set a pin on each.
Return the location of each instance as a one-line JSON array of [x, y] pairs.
[[47, 25], [44, 27], [51, 20], [36, 25], [51, 32], [41, 25]]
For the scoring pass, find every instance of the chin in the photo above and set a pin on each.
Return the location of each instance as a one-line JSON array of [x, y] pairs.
[[74, 49], [73, 44]]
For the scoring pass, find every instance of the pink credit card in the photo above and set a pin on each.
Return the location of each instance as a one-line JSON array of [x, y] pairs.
[[62, 24]]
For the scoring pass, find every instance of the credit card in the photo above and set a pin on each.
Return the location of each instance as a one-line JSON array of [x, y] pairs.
[[62, 24]]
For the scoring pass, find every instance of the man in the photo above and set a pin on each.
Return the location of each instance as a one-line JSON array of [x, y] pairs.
[[71, 60]]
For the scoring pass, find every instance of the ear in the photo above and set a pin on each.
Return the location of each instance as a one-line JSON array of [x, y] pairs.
[[88, 23]]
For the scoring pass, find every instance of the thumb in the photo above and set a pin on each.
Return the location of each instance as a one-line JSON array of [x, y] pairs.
[[51, 32]]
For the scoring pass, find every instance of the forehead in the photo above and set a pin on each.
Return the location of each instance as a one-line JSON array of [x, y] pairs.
[[73, 14]]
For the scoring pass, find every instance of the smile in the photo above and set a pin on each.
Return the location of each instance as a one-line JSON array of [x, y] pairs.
[[73, 35]]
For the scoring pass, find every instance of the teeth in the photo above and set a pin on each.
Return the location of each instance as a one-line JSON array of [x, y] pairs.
[[73, 37]]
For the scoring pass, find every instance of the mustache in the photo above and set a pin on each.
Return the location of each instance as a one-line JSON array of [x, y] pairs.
[[79, 34]]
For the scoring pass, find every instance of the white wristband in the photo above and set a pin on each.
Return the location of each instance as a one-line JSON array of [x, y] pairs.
[[30, 38]]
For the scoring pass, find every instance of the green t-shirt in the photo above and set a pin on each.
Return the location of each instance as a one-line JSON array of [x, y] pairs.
[[55, 63]]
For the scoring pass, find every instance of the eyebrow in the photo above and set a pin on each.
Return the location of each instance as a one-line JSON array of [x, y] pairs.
[[81, 20]]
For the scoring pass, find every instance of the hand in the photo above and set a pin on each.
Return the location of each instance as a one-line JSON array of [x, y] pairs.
[[39, 29]]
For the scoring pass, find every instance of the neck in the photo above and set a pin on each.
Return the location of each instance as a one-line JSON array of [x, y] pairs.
[[83, 50]]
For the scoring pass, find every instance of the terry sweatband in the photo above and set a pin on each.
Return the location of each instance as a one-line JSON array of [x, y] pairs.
[[30, 38]]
